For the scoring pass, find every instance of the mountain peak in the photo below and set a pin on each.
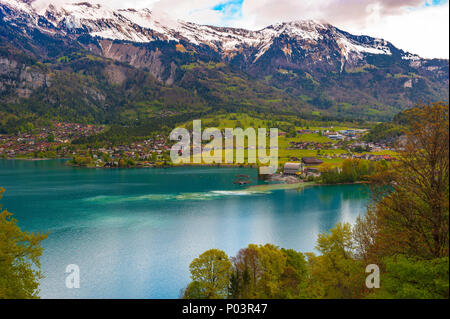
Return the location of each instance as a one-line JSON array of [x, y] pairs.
[[145, 26], [303, 23]]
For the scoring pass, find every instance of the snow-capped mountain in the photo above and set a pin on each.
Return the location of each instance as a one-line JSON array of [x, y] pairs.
[[293, 65], [143, 26]]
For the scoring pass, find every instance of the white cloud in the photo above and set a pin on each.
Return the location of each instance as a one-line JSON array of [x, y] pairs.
[[408, 24], [424, 32], [199, 11]]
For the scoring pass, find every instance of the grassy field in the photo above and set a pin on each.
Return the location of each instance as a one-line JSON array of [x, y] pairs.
[[243, 120], [288, 124]]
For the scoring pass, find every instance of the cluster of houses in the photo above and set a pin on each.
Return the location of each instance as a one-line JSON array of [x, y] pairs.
[[372, 157], [54, 138], [365, 156], [144, 150], [348, 135], [310, 145], [306, 168], [145, 153], [374, 147], [66, 132], [58, 136], [12, 146]]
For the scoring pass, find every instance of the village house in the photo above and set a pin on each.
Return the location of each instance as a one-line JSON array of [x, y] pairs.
[[292, 168], [311, 161]]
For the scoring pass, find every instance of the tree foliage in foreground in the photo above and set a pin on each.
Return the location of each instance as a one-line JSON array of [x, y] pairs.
[[411, 211], [19, 259], [210, 274], [414, 278], [256, 272], [404, 232], [336, 273]]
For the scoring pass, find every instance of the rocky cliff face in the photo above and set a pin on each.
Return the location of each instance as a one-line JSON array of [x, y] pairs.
[[20, 80]]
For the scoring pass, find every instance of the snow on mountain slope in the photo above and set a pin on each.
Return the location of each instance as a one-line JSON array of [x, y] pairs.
[[20, 5], [145, 26]]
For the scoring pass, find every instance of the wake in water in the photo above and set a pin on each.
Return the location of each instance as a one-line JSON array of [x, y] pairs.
[[104, 199]]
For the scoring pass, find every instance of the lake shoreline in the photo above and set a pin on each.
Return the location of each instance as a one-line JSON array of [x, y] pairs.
[[263, 187]]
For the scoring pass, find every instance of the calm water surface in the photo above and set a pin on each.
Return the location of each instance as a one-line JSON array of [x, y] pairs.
[[133, 232]]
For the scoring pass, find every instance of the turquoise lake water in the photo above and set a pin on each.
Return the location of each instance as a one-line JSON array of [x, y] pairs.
[[134, 232]]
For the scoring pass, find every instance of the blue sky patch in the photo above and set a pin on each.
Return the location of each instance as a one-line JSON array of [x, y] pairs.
[[436, 3], [231, 9]]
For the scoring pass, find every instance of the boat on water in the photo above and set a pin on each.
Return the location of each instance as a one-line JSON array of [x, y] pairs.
[[242, 180]]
